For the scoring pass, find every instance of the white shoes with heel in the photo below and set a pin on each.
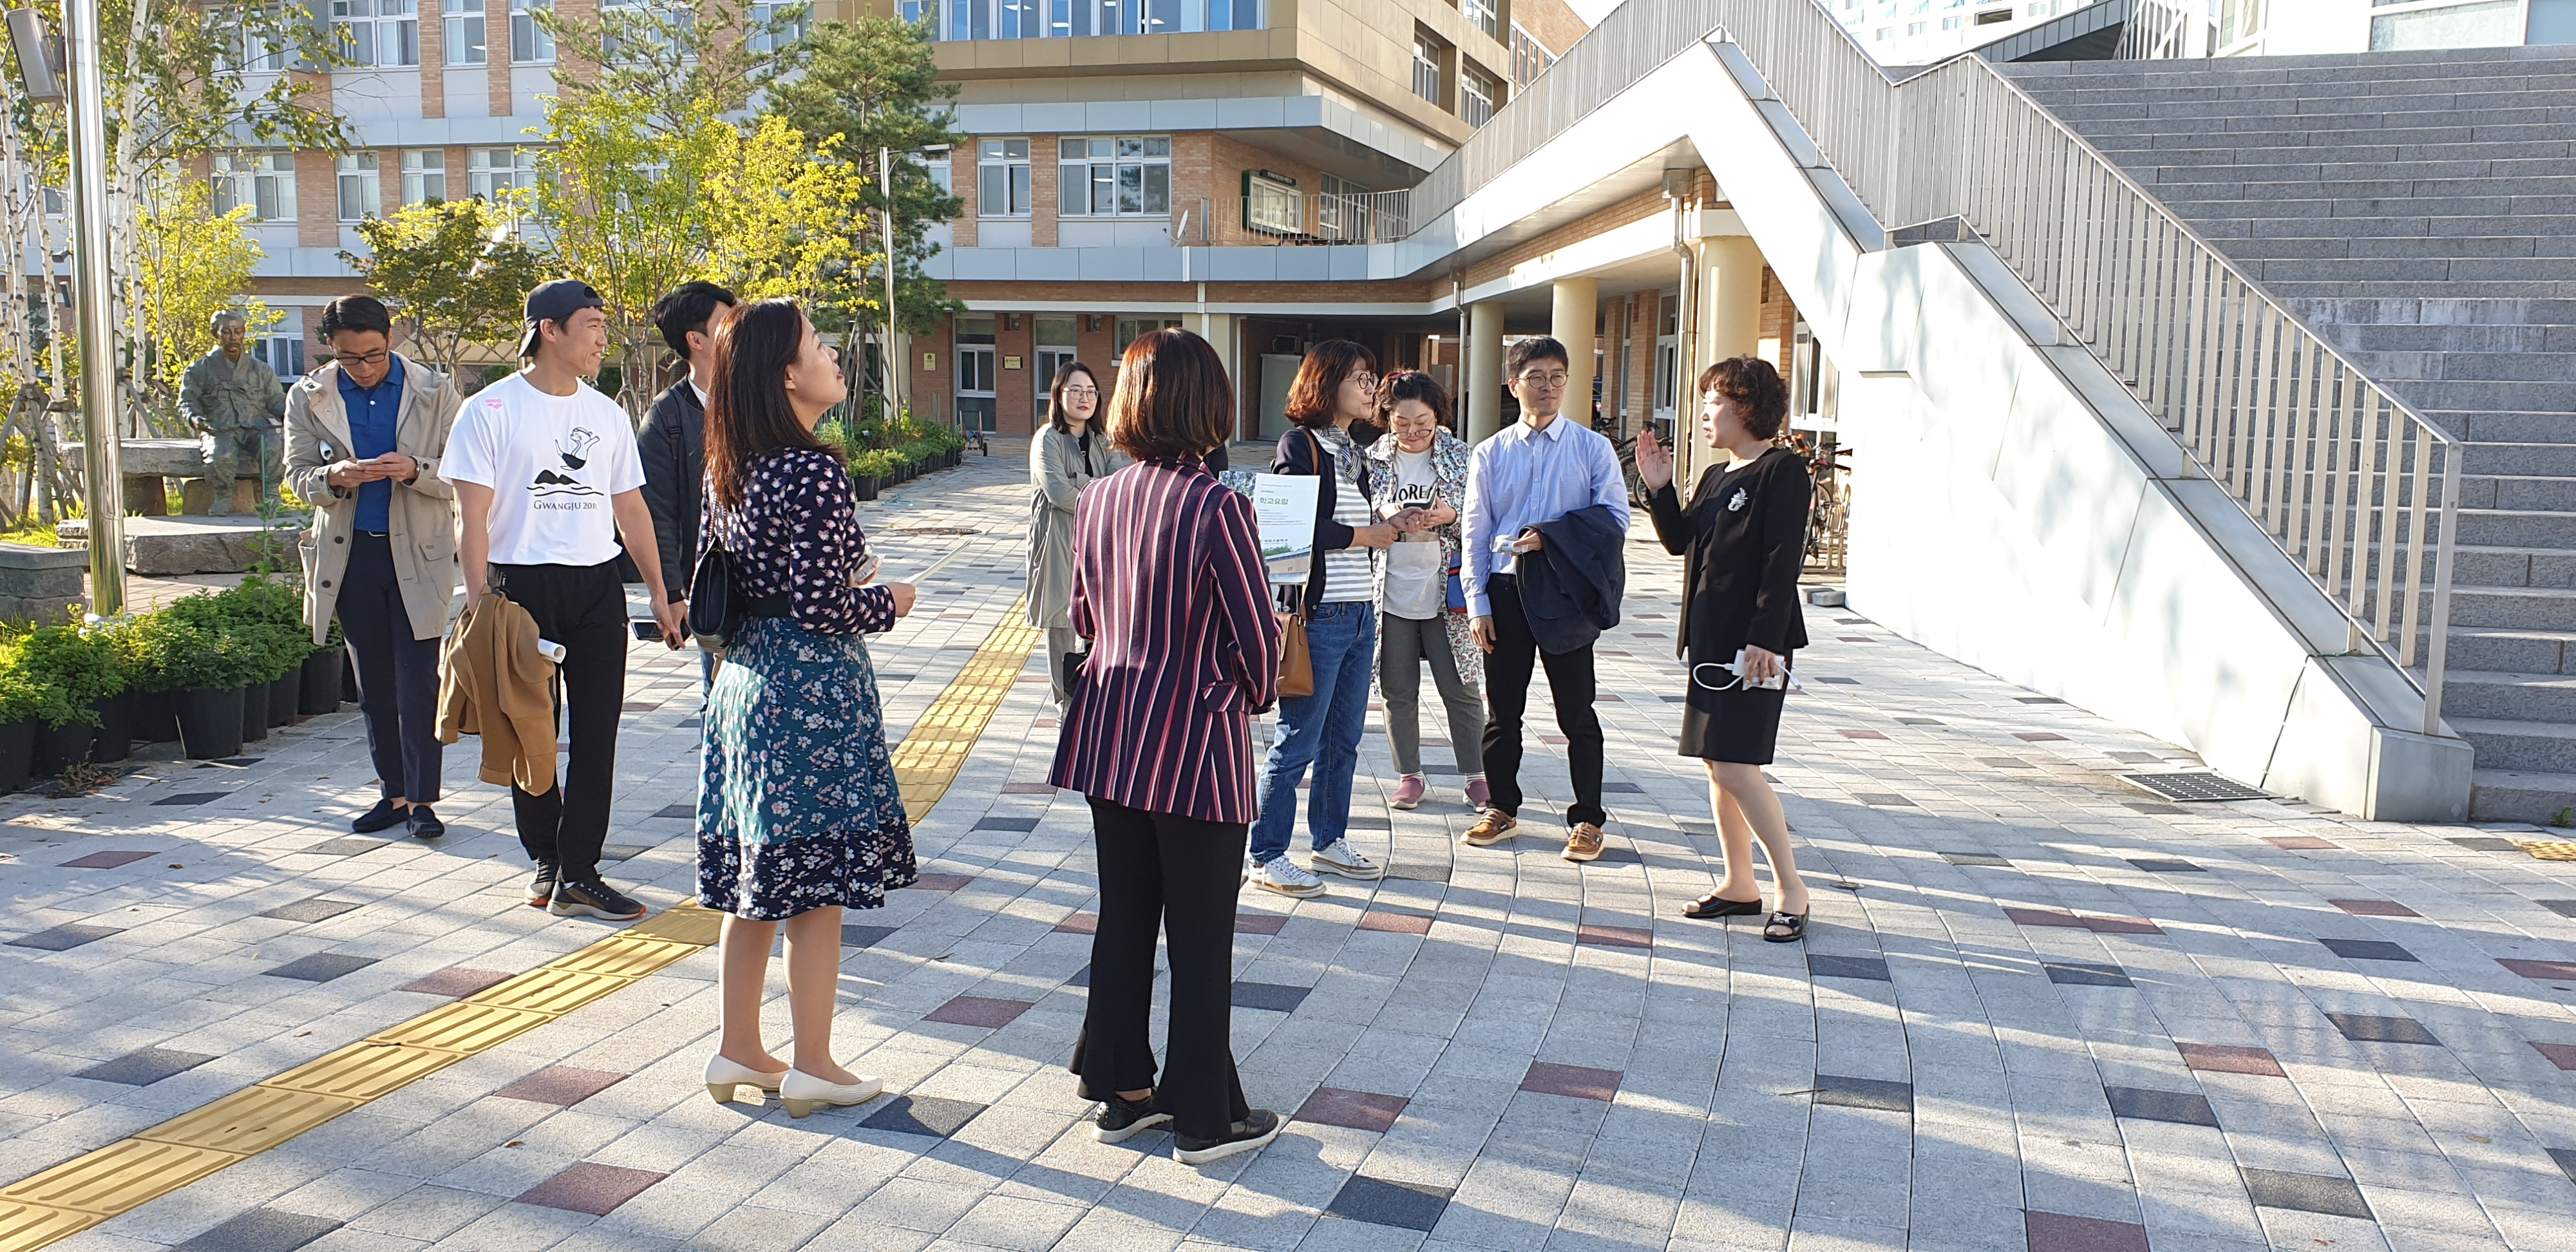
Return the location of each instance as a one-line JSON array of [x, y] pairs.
[[725, 1078], [801, 1092]]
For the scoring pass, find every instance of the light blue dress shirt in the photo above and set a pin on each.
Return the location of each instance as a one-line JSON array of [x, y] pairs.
[[1521, 477]]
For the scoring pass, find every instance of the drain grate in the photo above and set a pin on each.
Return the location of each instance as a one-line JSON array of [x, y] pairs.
[[2194, 785]]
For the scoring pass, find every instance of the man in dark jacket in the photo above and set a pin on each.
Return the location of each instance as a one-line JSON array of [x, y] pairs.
[[673, 442]]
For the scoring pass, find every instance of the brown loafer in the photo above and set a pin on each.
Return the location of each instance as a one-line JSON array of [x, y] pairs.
[[1492, 827], [1583, 843]]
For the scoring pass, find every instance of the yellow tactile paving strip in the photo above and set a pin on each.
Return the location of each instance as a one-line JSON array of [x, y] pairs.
[[89, 1189], [929, 758], [2551, 850]]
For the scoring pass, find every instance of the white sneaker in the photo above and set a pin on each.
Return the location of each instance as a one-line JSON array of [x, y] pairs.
[[1339, 857], [1286, 877]]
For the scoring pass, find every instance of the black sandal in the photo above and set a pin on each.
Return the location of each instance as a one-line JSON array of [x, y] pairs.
[[1714, 905], [1795, 922]]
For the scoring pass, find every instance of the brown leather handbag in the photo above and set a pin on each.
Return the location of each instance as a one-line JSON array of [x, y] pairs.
[[1296, 668]]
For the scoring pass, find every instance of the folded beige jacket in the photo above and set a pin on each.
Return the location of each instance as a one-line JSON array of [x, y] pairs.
[[493, 682]]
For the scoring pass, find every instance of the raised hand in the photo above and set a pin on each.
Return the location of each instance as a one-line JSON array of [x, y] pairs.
[[1654, 461]]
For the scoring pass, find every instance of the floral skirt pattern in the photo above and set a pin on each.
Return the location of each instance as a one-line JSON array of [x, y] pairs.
[[797, 803]]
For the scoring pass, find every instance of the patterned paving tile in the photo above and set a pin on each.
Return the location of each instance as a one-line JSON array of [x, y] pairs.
[[922, 1115], [1028, 788], [2306, 1193], [261, 1230], [1867, 968], [1865, 1093], [187, 798], [348, 845], [1579, 1081], [2165, 865], [944, 882], [591, 1187], [2189, 1108], [1021, 825], [1883, 800], [2367, 950], [2060, 1232], [1396, 923], [1269, 996], [2543, 971], [321, 967], [2365, 1029], [561, 1084], [1356, 1110], [983, 1011], [456, 982], [1388, 1202], [1259, 923], [2487, 843], [1605, 936], [2085, 974], [2562, 1055], [2563, 908], [144, 1066], [104, 860], [2219, 1058], [1986, 859], [65, 937], [317, 909], [1079, 924], [854, 935], [2566, 1159], [2301, 843], [2374, 908], [676, 811]]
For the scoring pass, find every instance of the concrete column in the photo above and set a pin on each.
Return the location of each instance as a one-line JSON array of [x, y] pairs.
[[1577, 312], [1481, 385], [1732, 298]]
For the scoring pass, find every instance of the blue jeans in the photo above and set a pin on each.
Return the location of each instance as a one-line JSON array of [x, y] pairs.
[[1322, 730]]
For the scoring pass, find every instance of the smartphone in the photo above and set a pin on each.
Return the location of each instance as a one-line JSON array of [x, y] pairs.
[[646, 628]]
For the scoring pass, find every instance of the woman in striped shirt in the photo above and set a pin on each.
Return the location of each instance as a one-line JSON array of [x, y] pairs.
[[1169, 586], [1336, 386]]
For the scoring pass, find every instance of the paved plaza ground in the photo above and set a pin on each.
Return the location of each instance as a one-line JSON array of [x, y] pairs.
[[2039, 1008]]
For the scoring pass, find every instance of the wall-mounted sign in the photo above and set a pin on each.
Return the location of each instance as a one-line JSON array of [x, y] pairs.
[[1270, 203], [1010, 362], [930, 361]]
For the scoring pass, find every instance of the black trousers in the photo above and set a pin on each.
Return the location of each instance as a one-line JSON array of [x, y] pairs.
[[1569, 682], [397, 674], [1181, 875], [584, 609]]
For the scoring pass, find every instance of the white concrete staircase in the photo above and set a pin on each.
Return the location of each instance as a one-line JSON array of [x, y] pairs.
[[2419, 210]]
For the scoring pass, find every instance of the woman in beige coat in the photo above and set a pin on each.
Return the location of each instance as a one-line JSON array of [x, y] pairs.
[[1066, 455], [364, 434]]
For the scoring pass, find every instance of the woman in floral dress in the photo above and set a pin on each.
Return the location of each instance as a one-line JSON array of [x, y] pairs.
[[799, 816]]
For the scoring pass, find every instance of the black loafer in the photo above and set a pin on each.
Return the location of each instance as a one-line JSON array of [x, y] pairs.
[[1121, 1118], [1251, 1133], [425, 824], [382, 817]]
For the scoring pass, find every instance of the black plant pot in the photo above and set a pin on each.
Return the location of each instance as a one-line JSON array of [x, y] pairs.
[[254, 712], [867, 487], [319, 683], [156, 716], [348, 675], [210, 722], [115, 728], [59, 748], [284, 695], [17, 754]]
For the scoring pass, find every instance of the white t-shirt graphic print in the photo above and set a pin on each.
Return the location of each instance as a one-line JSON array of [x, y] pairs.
[[552, 462]]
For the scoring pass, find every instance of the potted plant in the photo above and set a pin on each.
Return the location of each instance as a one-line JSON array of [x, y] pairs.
[[19, 699], [320, 677], [269, 615], [868, 472], [75, 671], [141, 643], [225, 667]]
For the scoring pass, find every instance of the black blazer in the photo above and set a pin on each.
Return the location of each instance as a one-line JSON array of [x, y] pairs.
[[1743, 543], [1571, 586], [673, 446], [1297, 456]]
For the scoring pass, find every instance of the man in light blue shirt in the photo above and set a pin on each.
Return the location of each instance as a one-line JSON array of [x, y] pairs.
[[1537, 470]]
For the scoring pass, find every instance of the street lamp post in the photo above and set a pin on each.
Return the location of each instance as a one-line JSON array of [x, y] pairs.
[[893, 357], [101, 433]]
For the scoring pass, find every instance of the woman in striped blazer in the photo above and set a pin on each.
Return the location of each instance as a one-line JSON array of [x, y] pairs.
[[1169, 587]]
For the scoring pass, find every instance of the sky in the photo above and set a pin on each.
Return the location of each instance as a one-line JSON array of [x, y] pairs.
[[1592, 11]]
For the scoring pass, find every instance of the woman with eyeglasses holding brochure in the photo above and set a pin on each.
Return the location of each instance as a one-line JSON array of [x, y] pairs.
[[1069, 453], [1743, 543]]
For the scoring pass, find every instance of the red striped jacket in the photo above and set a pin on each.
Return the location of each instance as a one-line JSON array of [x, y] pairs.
[[1169, 586]]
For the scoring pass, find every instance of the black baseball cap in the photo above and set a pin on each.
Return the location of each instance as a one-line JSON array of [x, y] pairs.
[[555, 302]]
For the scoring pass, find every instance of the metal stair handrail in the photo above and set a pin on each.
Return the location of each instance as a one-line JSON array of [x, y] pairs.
[[2346, 478]]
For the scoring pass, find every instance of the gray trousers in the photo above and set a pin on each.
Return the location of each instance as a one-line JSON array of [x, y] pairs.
[[1402, 645], [1061, 641]]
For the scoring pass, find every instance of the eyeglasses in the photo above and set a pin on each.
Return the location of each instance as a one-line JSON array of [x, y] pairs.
[[1545, 382], [377, 357], [1366, 380], [1081, 393]]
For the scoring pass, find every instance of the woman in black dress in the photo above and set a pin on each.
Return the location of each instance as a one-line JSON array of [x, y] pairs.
[[1743, 541]]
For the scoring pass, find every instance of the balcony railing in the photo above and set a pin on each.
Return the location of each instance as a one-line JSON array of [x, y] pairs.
[[2349, 482], [1291, 219], [1069, 19]]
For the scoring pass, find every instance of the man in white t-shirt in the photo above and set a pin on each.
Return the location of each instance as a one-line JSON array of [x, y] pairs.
[[547, 478]]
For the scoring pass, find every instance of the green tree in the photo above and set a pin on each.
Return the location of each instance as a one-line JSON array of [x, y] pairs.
[[794, 222], [666, 57], [189, 263], [456, 270]]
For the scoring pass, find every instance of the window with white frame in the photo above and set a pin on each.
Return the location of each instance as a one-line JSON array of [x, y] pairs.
[[378, 32], [1002, 177], [251, 51], [1483, 15], [529, 41], [464, 31], [765, 40], [1342, 210], [1530, 58], [424, 175], [492, 171], [935, 166], [1119, 175], [264, 181], [1426, 69], [1479, 94], [361, 188], [640, 14]]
